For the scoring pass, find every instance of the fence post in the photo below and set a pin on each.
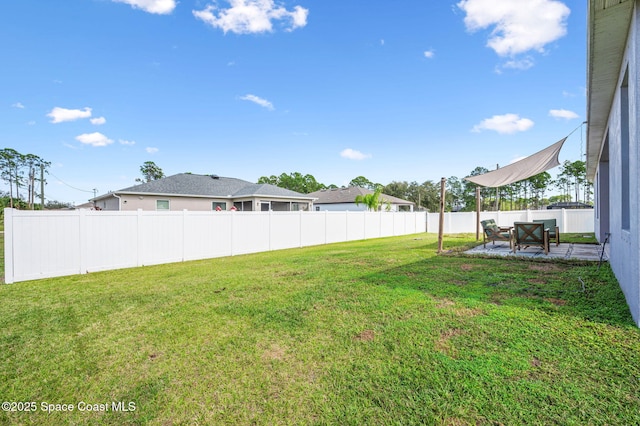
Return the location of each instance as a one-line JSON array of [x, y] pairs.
[[83, 240], [8, 245], [269, 228], [184, 233], [140, 237], [231, 230]]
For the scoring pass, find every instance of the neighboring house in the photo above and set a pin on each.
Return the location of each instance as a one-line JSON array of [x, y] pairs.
[[186, 191], [569, 205], [341, 199], [613, 136]]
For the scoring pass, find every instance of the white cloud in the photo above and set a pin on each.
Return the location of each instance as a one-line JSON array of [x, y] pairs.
[[429, 53], [151, 150], [258, 100], [507, 123], [94, 139], [252, 16], [160, 7], [124, 142], [563, 113], [98, 121], [518, 26], [353, 154], [519, 64], [18, 105], [381, 42], [59, 115]]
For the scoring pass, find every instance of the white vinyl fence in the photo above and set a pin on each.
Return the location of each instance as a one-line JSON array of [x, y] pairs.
[[568, 220], [42, 244]]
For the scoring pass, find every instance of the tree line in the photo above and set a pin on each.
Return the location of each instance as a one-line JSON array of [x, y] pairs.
[[460, 194], [24, 173]]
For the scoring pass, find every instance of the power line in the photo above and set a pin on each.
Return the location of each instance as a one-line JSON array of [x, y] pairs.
[[70, 186]]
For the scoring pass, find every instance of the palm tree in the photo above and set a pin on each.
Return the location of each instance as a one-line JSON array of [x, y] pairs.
[[372, 201]]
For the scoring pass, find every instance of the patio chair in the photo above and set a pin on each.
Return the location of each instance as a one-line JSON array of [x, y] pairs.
[[554, 230], [492, 232], [530, 234]]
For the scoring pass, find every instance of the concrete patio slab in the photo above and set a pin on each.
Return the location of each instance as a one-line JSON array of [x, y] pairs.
[[590, 252]]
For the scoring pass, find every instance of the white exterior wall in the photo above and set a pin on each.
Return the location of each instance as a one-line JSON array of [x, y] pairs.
[[42, 244], [128, 202], [624, 245], [352, 207]]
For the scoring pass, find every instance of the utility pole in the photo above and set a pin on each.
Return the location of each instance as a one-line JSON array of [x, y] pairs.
[[441, 222], [497, 192], [41, 186]]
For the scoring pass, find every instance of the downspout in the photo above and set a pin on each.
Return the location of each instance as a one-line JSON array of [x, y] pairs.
[[119, 201]]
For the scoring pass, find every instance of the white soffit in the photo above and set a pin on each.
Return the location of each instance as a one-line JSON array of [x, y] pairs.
[[608, 29]]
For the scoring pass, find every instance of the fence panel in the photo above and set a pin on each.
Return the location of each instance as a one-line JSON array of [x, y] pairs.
[[48, 244], [33, 260], [355, 225], [206, 235], [569, 220], [336, 228], [373, 223], [113, 243], [314, 229], [286, 225]]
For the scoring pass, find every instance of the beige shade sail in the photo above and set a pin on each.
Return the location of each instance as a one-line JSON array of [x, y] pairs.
[[523, 169]]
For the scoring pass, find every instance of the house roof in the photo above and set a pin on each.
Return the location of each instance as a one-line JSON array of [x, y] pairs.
[[348, 195], [192, 185], [609, 22]]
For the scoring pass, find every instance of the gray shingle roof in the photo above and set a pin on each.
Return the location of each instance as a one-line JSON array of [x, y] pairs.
[[187, 184], [348, 195]]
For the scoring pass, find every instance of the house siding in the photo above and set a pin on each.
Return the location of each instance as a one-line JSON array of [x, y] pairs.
[[624, 241], [148, 202]]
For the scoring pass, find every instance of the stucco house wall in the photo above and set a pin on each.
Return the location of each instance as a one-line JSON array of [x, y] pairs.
[[149, 202], [617, 178], [186, 191], [343, 199]]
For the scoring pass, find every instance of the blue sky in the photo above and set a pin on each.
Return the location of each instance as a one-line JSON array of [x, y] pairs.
[[412, 90]]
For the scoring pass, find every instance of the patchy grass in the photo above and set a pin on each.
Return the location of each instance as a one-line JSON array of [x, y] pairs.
[[579, 237], [369, 332]]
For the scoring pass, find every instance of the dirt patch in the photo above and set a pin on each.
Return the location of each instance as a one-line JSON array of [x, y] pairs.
[[466, 267], [443, 344], [365, 336], [535, 362], [445, 303], [557, 302], [544, 267], [453, 421], [466, 312], [275, 352]]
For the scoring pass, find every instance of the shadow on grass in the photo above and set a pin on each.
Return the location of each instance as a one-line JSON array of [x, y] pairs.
[[561, 287]]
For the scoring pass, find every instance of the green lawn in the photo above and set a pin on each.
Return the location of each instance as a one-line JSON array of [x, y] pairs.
[[375, 332]]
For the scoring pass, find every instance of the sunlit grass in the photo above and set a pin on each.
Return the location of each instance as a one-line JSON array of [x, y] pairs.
[[370, 332]]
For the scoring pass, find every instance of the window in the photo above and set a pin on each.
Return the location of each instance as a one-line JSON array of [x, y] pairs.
[[162, 205], [243, 206], [218, 206]]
